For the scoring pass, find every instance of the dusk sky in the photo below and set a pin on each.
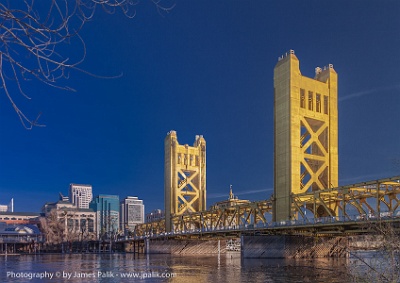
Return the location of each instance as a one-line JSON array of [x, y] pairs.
[[205, 68]]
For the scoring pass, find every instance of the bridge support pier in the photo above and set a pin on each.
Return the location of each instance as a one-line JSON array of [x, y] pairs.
[[136, 247], [177, 246], [287, 246]]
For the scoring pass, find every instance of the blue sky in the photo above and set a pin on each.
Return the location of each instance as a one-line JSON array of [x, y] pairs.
[[205, 68]]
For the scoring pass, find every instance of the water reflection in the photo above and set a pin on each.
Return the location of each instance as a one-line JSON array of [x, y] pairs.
[[223, 268]]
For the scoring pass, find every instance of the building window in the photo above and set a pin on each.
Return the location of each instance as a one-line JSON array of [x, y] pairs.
[[302, 98], [83, 225], [326, 104], [310, 101], [318, 103], [90, 225], [70, 225]]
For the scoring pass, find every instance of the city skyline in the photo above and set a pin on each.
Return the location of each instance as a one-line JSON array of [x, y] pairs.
[[206, 69]]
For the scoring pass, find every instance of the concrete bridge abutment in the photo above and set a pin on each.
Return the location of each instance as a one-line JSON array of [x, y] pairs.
[[290, 246], [261, 246], [178, 246]]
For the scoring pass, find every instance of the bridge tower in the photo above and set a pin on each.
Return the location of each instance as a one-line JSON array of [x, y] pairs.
[[305, 134], [184, 177]]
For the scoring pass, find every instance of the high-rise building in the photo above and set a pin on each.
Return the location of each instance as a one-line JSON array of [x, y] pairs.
[[80, 195], [106, 208], [306, 134], [131, 213]]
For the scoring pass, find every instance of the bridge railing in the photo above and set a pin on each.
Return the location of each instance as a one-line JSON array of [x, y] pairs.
[[274, 225], [365, 199], [359, 202]]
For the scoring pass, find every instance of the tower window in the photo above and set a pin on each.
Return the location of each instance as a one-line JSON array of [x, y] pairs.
[[310, 100], [326, 104], [302, 98], [318, 102]]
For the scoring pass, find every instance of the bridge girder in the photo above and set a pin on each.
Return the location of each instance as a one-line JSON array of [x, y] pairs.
[[367, 200]]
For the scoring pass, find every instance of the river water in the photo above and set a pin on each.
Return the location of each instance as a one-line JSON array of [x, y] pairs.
[[168, 268]]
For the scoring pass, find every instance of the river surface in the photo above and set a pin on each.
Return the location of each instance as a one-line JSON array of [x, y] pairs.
[[168, 268]]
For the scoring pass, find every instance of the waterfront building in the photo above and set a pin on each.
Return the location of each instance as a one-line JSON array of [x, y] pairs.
[[7, 207], [19, 238], [106, 208], [155, 215], [17, 218], [80, 195], [131, 213], [76, 223]]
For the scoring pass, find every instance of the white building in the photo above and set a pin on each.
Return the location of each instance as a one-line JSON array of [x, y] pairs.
[[80, 195], [79, 223], [131, 213], [155, 215], [7, 207]]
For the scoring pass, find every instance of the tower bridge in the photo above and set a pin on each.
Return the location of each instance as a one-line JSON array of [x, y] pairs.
[[307, 199]]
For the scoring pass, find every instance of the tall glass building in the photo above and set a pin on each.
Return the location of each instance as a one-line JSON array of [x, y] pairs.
[[106, 208]]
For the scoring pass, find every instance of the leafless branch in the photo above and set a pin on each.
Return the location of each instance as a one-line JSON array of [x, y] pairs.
[[33, 36], [384, 265]]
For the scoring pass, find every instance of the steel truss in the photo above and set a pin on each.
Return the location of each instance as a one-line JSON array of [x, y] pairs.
[[373, 199], [361, 201], [234, 217]]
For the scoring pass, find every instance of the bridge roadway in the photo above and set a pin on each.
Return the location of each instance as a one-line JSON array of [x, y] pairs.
[[357, 205], [329, 226]]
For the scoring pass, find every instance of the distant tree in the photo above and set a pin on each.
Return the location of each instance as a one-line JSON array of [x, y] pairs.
[[53, 228], [34, 36]]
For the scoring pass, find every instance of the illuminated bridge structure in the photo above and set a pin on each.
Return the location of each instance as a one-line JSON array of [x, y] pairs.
[[357, 205], [307, 200]]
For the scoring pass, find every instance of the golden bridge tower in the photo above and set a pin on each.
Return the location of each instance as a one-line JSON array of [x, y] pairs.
[[305, 134], [184, 177]]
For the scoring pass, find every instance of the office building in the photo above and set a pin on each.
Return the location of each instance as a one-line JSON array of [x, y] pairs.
[[132, 213], [106, 208], [80, 195]]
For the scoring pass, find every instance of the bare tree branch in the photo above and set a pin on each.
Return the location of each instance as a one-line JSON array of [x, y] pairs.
[[33, 36]]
